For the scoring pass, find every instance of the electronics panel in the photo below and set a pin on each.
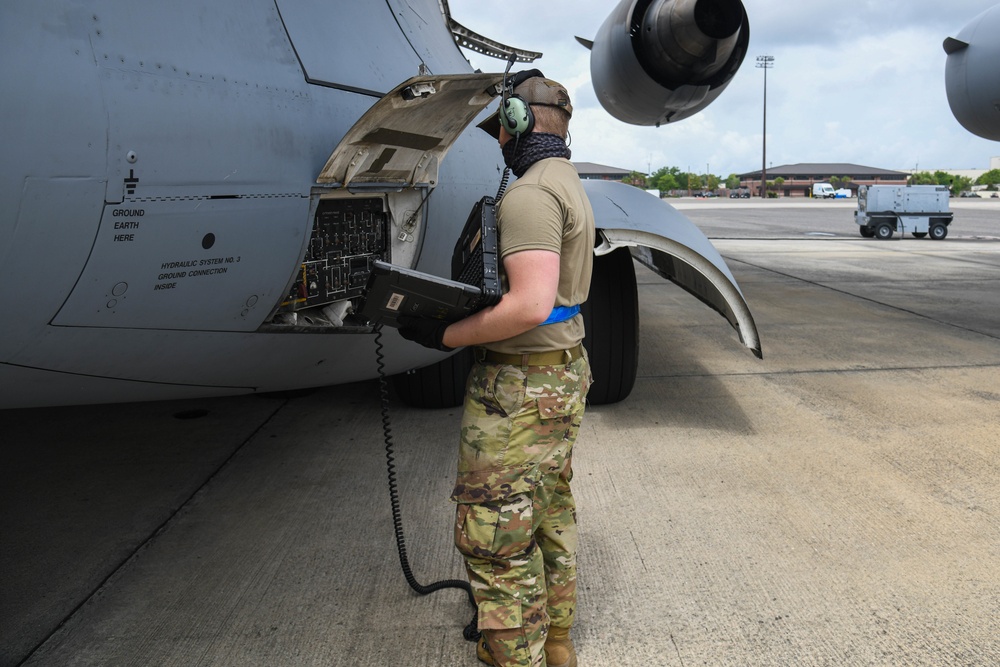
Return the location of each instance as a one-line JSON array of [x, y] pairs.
[[348, 235]]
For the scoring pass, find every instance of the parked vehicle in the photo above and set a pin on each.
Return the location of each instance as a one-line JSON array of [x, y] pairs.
[[918, 209], [823, 191], [739, 194]]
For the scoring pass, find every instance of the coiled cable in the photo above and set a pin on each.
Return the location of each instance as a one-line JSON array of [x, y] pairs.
[[503, 184], [471, 632]]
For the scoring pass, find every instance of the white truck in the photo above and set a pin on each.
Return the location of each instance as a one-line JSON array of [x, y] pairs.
[[918, 209], [823, 191]]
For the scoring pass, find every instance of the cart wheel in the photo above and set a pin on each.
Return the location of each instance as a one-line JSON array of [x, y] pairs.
[[939, 231], [919, 235], [883, 231]]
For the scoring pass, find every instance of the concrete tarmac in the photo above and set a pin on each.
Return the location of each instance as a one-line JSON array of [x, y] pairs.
[[834, 504]]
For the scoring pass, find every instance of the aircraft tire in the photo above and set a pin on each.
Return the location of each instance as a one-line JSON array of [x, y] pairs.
[[611, 318], [440, 385]]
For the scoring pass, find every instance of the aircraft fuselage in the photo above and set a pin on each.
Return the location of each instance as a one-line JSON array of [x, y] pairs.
[[158, 188]]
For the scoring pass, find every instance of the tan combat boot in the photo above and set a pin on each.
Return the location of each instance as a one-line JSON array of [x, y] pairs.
[[483, 651], [559, 650]]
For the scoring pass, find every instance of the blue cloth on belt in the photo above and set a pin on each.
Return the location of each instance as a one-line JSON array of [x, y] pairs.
[[561, 314]]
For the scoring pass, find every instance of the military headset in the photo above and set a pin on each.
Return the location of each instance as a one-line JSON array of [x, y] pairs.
[[515, 114]]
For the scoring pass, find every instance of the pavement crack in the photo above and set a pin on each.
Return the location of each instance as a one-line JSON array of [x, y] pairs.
[[677, 649], [638, 551], [822, 371], [864, 298]]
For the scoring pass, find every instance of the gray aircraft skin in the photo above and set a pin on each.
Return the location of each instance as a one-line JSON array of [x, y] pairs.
[[188, 187], [972, 78]]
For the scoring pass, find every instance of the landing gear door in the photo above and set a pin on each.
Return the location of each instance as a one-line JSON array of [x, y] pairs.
[[663, 240], [401, 141]]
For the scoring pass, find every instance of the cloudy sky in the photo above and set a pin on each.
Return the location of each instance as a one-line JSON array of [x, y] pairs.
[[859, 81]]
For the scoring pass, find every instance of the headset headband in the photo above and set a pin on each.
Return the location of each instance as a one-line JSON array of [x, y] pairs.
[[521, 77]]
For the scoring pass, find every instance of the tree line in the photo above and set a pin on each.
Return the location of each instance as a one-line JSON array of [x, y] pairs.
[[672, 179], [956, 184]]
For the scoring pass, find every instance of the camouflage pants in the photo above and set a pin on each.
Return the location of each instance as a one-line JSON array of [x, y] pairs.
[[516, 519]]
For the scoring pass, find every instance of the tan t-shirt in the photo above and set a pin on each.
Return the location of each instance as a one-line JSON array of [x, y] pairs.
[[547, 209]]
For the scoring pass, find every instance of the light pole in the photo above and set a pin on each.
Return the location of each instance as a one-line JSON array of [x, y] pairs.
[[765, 63]]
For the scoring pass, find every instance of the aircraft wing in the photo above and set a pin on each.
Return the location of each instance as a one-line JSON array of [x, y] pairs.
[[665, 241]]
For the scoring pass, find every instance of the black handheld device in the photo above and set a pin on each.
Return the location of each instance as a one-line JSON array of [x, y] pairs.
[[394, 291]]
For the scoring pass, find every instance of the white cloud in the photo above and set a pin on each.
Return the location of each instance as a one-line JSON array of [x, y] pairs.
[[857, 81]]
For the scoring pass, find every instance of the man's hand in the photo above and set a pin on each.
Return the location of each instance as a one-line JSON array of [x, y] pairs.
[[424, 330]]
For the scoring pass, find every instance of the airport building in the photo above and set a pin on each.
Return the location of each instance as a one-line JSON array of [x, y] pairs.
[[798, 179], [600, 172]]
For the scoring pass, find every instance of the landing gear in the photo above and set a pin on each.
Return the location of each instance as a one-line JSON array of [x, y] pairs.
[[440, 385], [611, 318]]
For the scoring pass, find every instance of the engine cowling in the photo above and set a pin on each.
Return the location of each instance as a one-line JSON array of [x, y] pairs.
[[971, 75], [658, 61]]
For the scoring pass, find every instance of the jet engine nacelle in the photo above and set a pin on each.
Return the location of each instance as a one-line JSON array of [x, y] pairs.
[[658, 61], [971, 75]]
